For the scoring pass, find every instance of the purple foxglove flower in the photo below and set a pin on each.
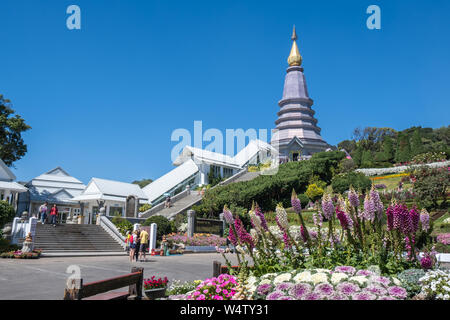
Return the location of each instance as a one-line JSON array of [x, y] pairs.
[[377, 203], [228, 216], [343, 219], [281, 217], [369, 208], [425, 220], [317, 218], [426, 262], [390, 218], [260, 214], [303, 234], [296, 204], [414, 216], [353, 198], [327, 206]]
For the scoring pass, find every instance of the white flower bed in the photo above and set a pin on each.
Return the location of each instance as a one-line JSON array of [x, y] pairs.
[[436, 284], [382, 171]]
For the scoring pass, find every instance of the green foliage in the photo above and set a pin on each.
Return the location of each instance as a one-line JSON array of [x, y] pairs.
[[416, 143], [431, 186], [410, 280], [145, 207], [314, 192], [304, 199], [7, 212], [122, 224], [213, 179], [7, 246], [143, 182], [403, 153], [342, 182], [268, 190], [164, 226], [429, 157], [366, 159], [346, 165], [12, 146]]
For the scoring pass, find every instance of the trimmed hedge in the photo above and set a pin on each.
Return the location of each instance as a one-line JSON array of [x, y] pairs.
[[269, 190]]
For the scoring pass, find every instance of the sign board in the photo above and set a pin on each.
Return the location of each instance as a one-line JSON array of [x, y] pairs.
[[209, 226]]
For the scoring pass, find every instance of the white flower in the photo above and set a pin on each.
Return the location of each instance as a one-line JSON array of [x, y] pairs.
[[304, 276], [284, 277], [268, 275], [360, 279], [319, 277], [322, 270], [338, 277], [265, 281]]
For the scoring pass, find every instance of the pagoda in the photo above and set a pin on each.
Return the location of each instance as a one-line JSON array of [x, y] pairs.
[[297, 135]]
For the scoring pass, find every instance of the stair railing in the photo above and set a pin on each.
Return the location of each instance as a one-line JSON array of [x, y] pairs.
[[112, 230]]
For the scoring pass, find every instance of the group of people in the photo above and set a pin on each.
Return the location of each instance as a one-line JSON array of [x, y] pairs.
[[137, 244], [43, 213]]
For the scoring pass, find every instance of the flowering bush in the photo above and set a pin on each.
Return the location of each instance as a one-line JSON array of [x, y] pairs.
[[342, 283], [177, 288], [443, 238], [402, 168], [18, 254], [199, 239], [221, 288], [429, 157], [153, 283], [380, 186], [436, 285]]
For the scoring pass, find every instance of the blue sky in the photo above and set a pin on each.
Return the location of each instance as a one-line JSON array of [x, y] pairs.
[[103, 101]]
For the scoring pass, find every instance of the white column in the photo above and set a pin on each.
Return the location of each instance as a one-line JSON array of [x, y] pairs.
[[153, 228]]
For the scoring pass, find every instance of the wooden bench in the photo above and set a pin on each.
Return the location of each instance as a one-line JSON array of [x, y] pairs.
[[101, 290]]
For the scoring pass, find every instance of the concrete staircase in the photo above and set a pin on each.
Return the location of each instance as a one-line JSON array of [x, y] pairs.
[[71, 238]]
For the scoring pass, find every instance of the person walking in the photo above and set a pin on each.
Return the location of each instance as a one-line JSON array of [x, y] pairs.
[[43, 212], [53, 215], [138, 244], [143, 248]]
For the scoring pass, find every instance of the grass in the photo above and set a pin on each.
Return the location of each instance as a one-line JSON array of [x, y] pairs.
[[392, 183], [439, 226]]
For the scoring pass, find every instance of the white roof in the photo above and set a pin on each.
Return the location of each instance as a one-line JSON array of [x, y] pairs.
[[12, 186], [5, 172], [239, 160], [102, 189], [170, 180]]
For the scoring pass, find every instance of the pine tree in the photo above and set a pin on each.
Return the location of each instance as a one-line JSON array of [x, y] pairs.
[[416, 143], [403, 153], [388, 149]]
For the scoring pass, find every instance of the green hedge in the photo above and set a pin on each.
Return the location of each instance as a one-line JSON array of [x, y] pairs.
[[342, 182], [164, 226], [268, 190]]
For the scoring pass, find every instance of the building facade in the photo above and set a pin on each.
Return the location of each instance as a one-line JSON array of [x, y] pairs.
[[9, 189], [55, 187]]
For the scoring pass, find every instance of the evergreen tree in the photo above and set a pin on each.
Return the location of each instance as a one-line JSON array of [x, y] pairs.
[[416, 143], [357, 155], [367, 159], [403, 153], [388, 149]]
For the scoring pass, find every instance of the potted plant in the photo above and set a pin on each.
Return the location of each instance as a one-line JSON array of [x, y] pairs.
[[155, 288]]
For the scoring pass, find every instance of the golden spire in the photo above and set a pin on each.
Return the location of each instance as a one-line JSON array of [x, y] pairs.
[[295, 59]]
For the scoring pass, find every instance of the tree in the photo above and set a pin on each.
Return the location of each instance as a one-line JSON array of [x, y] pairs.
[[142, 183], [416, 143], [431, 186], [7, 212], [366, 159], [403, 153], [12, 146]]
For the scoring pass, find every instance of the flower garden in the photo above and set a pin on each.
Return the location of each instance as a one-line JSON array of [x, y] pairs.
[[357, 248]]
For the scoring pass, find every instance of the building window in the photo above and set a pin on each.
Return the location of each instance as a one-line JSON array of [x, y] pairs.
[[227, 172]]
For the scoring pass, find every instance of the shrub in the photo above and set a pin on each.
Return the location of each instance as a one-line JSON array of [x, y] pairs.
[[431, 185], [342, 182], [145, 207], [122, 224], [410, 280], [429, 157], [163, 225], [314, 192], [7, 212]]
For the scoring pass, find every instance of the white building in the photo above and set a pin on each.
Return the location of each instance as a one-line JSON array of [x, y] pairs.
[[9, 189], [119, 198], [56, 187], [194, 166]]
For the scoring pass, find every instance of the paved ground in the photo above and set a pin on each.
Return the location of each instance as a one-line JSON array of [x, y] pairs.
[[45, 278]]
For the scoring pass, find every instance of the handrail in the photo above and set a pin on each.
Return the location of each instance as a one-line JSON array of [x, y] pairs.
[[109, 227]]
